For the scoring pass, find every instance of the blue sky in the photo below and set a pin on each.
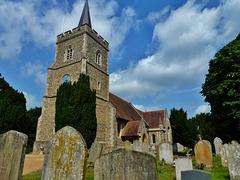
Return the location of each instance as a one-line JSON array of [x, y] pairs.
[[159, 50]]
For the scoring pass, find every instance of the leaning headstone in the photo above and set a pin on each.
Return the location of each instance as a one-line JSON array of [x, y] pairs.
[[12, 154], [180, 147], [66, 156], [233, 159], [203, 153], [95, 151], [182, 164], [217, 143], [223, 156], [125, 164], [195, 175], [165, 153]]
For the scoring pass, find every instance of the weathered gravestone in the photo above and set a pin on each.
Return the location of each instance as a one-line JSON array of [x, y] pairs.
[[182, 164], [203, 153], [136, 146], [195, 175], [217, 143], [165, 153], [145, 147], [125, 164], [95, 151], [223, 156], [12, 154], [128, 145], [233, 159], [234, 142], [66, 156], [180, 147]]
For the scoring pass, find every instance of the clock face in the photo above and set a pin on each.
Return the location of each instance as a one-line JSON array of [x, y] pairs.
[[66, 78]]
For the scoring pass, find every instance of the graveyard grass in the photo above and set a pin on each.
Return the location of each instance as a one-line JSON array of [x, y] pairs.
[[166, 172]]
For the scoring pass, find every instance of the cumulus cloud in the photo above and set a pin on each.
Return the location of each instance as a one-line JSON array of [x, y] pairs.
[[36, 71], [146, 108], [202, 109], [31, 101], [39, 23], [186, 41]]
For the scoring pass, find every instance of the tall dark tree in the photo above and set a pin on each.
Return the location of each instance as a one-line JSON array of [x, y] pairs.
[[76, 107], [12, 108], [183, 131], [222, 90]]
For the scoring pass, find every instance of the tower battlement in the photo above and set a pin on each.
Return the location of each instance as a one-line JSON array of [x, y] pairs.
[[79, 31]]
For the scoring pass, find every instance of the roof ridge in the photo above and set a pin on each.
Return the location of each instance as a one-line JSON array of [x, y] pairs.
[[153, 111]]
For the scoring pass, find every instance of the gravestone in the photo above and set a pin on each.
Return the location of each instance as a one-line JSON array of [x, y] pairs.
[[223, 156], [165, 153], [180, 147], [182, 164], [217, 143], [145, 147], [66, 156], [234, 142], [125, 164], [195, 175], [95, 151], [136, 146], [233, 159], [175, 149], [12, 154], [203, 153]]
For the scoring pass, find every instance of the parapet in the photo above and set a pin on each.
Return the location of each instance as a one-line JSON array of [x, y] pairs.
[[79, 31]]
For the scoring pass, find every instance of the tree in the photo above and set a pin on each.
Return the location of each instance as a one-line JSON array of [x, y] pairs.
[[183, 131], [222, 90], [12, 108], [205, 126], [76, 107]]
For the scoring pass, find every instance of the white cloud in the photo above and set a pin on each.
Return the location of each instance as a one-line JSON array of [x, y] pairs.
[[37, 23], [36, 71], [144, 108], [31, 101], [202, 109], [186, 41]]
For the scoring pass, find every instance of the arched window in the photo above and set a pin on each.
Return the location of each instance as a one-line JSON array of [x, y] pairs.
[[69, 53], [154, 138], [98, 57], [144, 139], [66, 78]]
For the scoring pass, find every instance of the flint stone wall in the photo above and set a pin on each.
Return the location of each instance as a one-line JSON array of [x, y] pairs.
[[66, 156], [12, 154], [233, 159], [125, 164]]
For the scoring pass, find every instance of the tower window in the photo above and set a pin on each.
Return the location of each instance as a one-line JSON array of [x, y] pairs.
[[98, 57], [153, 138], [69, 53], [98, 85], [66, 78]]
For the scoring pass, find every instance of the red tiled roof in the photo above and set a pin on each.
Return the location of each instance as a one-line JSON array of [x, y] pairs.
[[124, 109], [152, 117], [131, 128]]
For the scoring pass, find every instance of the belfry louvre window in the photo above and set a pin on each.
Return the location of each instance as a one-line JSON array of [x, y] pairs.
[[98, 58], [69, 53]]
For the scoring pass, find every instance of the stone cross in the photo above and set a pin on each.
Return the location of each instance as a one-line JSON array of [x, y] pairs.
[[66, 156], [12, 154]]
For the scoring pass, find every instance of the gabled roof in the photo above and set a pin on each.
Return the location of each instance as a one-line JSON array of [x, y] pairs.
[[124, 109], [85, 17], [131, 129], [153, 118]]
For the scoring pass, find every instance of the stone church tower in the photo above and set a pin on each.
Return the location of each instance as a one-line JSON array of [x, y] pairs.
[[81, 50]]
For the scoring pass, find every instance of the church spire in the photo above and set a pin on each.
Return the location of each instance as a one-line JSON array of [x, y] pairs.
[[85, 17]]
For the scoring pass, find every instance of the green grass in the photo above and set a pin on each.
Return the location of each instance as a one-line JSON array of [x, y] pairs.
[[166, 172]]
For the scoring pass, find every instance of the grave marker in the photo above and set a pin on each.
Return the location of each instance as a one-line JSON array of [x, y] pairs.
[[165, 152], [182, 164], [203, 152], [217, 143], [12, 154], [195, 175], [223, 156], [66, 156], [95, 151], [125, 164]]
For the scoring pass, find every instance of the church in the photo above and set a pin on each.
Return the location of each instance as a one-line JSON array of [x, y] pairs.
[[83, 50]]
